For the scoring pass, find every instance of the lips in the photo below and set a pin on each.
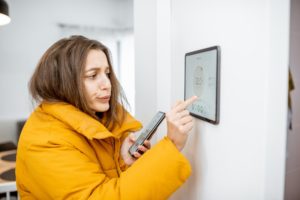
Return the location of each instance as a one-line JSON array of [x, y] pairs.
[[104, 99]]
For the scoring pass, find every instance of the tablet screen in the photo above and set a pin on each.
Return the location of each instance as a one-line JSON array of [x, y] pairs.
[[202, 80]]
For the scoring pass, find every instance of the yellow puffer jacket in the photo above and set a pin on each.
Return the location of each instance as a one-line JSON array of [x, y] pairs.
[[64, 153]]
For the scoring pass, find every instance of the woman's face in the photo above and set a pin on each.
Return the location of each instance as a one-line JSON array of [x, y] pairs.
[[96, 81]]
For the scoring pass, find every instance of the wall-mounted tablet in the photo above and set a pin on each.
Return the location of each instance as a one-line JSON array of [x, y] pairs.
[[202, 78]]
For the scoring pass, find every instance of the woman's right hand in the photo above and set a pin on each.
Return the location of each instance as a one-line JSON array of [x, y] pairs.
[[179, 122]]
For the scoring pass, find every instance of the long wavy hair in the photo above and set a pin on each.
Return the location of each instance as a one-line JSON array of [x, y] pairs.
[[58, 77]]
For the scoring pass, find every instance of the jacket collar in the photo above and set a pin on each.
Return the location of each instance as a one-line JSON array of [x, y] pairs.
[[85, 124]]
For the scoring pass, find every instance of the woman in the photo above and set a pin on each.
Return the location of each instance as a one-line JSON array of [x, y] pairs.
[[75, 144]]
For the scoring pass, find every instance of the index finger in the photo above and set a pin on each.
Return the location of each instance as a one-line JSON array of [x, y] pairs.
[[186, 103]]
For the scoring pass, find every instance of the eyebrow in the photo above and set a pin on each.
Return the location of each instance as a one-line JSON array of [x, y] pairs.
[[97, 68]]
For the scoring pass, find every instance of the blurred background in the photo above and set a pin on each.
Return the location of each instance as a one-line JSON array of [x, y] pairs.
[[37, 24]]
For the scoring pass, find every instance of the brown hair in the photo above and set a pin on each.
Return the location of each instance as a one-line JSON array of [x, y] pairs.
[[58, 77]]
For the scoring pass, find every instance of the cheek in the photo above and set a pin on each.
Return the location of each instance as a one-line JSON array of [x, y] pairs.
[[88, 90]]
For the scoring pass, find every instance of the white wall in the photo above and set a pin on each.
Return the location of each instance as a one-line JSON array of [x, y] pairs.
[[145, 59], [276, 102], [243, 157], [293, 141]]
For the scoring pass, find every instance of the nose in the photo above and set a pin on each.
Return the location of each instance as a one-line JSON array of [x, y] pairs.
[[104, 83]]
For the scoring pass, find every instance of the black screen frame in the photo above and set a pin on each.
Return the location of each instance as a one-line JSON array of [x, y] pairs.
[[217, 100]]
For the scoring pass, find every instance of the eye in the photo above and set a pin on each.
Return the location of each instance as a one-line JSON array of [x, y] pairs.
[[92, 76], [107, 73]]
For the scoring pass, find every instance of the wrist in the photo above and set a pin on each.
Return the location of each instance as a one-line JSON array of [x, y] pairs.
[[176, 144], [179, 141]]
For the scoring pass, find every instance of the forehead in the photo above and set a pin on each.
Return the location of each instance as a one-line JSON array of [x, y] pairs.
[[96, 59]]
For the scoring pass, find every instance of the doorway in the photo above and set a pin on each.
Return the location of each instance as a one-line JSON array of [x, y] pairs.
[[292, 177]]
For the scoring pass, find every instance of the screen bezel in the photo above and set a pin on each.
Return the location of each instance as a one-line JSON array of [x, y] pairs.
[[217, 99]]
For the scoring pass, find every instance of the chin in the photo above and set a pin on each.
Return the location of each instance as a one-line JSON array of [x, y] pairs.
[[101, 108]]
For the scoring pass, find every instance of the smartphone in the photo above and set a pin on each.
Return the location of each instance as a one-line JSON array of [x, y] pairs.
[[147, 132]]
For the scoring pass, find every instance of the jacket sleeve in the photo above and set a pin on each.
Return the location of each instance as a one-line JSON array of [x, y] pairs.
[[156, 175], [122, 164]]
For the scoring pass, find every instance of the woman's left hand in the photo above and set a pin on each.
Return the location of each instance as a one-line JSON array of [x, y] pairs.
[[130, 140]]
